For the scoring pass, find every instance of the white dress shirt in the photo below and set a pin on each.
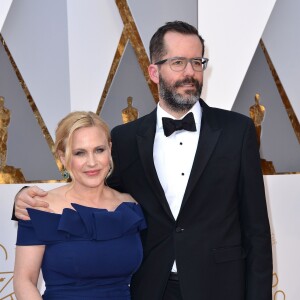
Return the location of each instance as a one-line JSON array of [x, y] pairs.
[[173, 158]]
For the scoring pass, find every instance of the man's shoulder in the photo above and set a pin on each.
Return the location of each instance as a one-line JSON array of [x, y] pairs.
[[229, 115], [225, 119]]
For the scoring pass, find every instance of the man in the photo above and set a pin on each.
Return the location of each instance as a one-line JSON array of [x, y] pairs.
[[201, 189]]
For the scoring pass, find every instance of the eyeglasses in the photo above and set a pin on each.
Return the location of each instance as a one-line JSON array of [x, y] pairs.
[[178, 64]]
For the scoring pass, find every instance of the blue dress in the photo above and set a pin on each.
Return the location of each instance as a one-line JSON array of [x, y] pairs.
[[90, 253]]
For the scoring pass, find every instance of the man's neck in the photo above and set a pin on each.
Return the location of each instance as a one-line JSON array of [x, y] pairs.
[[172, 112]]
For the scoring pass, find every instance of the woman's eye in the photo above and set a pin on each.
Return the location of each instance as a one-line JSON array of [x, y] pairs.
[[99, 150], [79, 153]]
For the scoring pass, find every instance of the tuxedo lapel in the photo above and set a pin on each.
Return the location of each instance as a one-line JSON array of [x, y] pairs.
[[209, 135], [145, 141]]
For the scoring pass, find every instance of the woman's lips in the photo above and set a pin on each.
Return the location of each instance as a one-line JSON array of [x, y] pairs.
[[92, 172]]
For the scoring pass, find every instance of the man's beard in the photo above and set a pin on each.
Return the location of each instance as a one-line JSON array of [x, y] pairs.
[[178, 102]]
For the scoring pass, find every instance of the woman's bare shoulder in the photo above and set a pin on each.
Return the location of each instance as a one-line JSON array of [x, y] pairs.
[[55, 198], [123, 197]]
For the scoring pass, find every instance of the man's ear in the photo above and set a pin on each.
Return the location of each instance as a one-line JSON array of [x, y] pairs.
[[153, 73]]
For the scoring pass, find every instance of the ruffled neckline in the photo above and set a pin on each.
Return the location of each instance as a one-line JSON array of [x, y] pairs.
[[87, 223]]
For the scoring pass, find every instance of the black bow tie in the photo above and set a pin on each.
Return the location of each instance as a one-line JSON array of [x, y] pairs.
[[171, 125]]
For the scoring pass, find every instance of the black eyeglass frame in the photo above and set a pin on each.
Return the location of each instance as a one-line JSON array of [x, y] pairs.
[[204, 62]]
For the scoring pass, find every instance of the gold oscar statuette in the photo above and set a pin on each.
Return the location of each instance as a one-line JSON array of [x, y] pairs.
[[8, 174], [129, 113], [257, 114]]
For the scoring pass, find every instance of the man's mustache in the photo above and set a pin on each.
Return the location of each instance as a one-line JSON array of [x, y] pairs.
[[187, 81]]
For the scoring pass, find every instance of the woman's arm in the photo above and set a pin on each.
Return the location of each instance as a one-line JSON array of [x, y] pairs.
[[27, 269]]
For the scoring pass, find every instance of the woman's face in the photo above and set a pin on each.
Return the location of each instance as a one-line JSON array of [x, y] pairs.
[[90, 156]]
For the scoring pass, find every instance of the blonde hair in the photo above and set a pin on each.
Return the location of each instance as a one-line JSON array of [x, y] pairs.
[[69, 124]]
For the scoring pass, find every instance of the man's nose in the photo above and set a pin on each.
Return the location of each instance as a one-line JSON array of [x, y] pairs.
[[189, 70]]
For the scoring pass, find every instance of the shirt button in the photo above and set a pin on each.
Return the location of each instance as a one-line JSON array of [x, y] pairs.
[[179, 229]]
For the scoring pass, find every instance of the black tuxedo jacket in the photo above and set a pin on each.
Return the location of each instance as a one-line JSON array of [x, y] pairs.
[[221, 239]]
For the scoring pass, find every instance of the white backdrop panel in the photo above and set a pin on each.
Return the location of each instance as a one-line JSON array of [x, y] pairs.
[[282, 41], [93, 41], [232, 30], [8, 231], [284, 207], [36, 33], [282, 193], [4, 8]]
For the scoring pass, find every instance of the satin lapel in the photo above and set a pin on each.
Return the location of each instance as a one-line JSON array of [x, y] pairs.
[[209, 135], [145, 141]]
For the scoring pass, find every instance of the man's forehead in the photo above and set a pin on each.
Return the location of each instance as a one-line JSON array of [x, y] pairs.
[[177, 42]]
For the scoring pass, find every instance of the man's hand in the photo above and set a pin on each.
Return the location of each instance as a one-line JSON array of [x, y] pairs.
[[30, 197]]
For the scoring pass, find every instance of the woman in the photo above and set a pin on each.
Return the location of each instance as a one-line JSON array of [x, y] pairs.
[[89, 247]]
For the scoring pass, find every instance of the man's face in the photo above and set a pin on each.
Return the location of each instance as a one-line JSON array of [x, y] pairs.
[[179, 91]]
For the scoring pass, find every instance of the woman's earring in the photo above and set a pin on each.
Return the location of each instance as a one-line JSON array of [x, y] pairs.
[[65, 174]]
